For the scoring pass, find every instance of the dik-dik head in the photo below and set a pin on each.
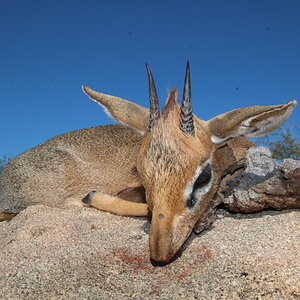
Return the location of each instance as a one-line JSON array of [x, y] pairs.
[[177, 162]]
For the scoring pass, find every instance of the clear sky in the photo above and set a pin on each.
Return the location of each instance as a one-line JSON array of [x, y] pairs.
[[241, 53]]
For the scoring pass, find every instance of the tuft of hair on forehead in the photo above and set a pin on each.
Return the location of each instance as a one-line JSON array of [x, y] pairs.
[[171, 103]]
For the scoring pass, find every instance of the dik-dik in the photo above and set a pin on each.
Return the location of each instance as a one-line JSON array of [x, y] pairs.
[[157, 163]]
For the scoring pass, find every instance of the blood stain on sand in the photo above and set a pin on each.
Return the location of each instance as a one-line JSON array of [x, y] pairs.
[[205, 252], [134, 261], [162, 276]]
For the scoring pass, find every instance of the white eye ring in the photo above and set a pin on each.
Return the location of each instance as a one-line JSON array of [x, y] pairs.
[[190, 187]]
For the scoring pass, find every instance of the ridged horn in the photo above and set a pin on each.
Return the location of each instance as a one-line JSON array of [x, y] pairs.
[[187, 123], [154, 106]]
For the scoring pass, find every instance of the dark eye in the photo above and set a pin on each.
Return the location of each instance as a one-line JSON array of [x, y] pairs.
[[202, 180]]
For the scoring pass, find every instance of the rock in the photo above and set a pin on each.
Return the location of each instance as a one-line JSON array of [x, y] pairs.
[[262, 183], [82, 253]]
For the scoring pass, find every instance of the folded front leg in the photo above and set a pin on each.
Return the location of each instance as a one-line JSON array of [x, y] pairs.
[[115, 205]]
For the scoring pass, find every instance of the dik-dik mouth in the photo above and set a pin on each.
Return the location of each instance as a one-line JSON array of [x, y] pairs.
[[172, 256]]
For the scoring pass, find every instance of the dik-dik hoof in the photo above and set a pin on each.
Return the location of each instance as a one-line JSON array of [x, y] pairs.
[[87, 199]]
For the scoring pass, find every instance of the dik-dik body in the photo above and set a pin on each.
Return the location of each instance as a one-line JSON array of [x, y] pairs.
[[162, 164]]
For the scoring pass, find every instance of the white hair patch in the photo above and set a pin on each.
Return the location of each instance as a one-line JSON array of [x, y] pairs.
[[200, 191]]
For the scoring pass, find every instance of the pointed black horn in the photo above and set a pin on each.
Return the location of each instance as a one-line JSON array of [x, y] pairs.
[[154, 106], [187, 123]]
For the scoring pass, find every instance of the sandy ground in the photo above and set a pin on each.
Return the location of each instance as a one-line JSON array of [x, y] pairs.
[[81, 253]]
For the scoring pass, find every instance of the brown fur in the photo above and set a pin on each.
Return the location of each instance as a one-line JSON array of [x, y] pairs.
[[133, 194], [61, 171]]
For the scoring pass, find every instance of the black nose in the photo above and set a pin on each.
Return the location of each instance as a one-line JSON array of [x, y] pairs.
[[157, 263]]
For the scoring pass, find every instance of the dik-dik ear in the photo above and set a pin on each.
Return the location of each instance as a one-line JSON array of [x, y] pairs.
[[123, 111], [250, 121]]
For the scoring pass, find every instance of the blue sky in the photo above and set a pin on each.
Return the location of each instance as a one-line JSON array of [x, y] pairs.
[[241, 53]]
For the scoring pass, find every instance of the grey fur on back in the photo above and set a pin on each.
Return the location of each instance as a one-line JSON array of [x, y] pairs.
[[60, 171]]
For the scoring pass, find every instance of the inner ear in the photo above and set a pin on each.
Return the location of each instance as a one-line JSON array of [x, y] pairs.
[[250, 121]]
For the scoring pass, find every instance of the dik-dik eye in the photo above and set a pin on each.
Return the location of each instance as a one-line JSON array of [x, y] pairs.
[[203, 179], [201, 186]]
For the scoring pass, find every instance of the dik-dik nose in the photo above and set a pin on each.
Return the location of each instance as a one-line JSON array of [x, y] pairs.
[[161, 239]]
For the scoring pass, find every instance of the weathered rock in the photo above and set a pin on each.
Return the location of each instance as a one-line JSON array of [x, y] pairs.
[[253, 181], [262, 183], [53, 253], [233, 154]]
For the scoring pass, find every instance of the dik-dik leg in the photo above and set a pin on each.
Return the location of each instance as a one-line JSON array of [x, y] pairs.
[[115, 205]]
